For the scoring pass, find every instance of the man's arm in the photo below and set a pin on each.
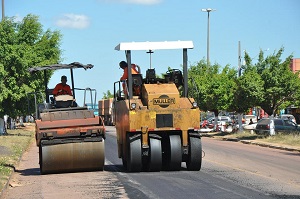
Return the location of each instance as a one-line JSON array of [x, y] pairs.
[[68, 89], [125, 74], [56, 90]]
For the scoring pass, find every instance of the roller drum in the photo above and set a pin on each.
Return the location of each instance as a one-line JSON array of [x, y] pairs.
[[79, 156]]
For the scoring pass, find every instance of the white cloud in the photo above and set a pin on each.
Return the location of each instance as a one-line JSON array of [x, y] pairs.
[[18, 18], [73, 21], [146, 2]]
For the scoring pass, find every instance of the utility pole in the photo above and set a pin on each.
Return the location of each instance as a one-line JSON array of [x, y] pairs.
[[240, 115], [2, 10], [239, 60], [208, 10]]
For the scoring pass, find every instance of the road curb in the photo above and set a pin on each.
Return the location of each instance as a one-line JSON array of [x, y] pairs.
[[270, 145]]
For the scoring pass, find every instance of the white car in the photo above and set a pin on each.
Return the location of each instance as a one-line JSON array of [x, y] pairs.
[[288, 117], [248, 117]]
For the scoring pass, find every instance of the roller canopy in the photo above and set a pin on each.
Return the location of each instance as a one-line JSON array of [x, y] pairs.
[[61, 66], [155, 45]]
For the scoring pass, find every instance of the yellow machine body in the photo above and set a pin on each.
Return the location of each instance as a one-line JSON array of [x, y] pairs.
[[161, 109], [157, 123]]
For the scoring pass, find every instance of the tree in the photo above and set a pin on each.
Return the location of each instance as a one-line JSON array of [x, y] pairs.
[[215, 88], [249, 90], [280, 85], [107, 95], [269, 84], [199, 82], [24, 45]]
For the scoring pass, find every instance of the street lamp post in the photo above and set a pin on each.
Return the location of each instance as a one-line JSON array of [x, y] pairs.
[[208, 10], [2, 10]]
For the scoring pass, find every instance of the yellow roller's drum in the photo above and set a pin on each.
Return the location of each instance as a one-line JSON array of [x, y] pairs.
[[66, 157]]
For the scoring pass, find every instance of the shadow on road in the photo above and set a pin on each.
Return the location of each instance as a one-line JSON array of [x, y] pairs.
[[119, 168], [114, 168], [36, 171], [291, 153], [29, 172]]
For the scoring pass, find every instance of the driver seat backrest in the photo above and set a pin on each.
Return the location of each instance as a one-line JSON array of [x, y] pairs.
[[150, 76], [49, 93], [137, 81], [176, 77]]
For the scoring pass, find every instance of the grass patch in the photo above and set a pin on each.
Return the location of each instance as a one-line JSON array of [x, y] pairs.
[[292, 139], [246, 135], [284, 139], [12, 147]]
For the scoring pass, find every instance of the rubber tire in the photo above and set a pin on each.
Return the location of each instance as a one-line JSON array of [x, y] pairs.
[[173, 153], [124, 162], [155, 157], [134, 154], [195, 154]]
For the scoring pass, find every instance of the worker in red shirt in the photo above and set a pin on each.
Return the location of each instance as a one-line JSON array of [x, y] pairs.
[[124, 66], [134, 70], [62, 88]]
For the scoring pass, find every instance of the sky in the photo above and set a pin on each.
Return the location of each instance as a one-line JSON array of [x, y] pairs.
[[92, 28]]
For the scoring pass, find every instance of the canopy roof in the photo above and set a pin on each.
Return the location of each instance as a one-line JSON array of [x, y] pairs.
[[154, 45], [60, 66]]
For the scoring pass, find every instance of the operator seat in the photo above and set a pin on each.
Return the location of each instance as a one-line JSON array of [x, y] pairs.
[[176, 77], [137, 81], [150, 76]]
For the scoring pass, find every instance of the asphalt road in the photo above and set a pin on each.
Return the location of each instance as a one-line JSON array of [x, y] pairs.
[[229, 170]]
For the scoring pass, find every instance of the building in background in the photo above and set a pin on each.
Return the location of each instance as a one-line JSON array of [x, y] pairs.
[[105, 109], [295, 67]]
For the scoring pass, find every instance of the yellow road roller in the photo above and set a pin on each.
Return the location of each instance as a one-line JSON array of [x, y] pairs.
[[69, 137], [157, 124]]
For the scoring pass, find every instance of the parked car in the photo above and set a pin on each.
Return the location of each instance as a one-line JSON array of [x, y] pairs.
[[248, 117], [288, 117], [281, 125], [223, 121]]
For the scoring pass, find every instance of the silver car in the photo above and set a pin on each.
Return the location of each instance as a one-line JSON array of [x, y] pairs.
[[281, 125]]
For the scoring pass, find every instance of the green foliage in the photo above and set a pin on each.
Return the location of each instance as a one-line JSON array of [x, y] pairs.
[[295, 103], [248, 91], [281, 86], [215, 88], [24, 45], [108, 95], [269, 84]]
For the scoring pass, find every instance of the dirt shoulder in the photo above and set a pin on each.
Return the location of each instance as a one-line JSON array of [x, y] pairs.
[[12, 147]]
